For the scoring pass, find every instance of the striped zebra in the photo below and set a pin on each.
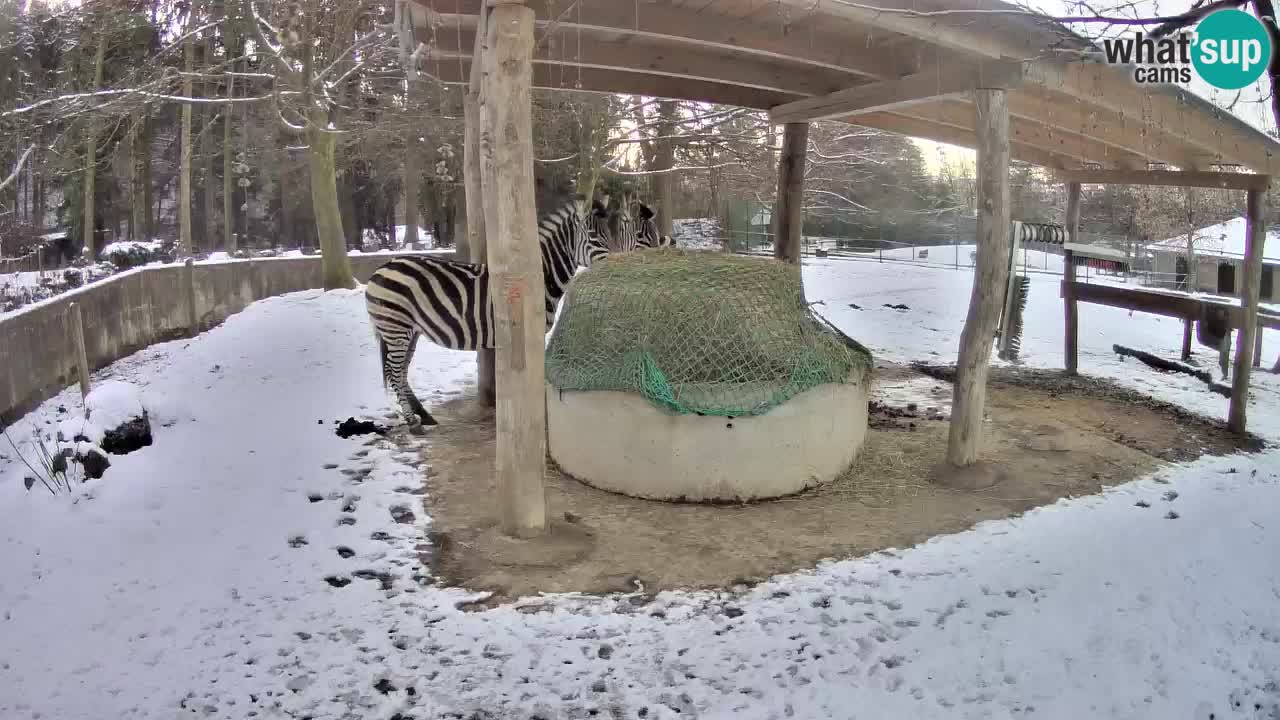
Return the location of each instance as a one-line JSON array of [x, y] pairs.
[[448, 302], [622, 233], [647, 235]]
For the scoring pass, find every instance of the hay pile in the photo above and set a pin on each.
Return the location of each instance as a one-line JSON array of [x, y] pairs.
[[697, 332]]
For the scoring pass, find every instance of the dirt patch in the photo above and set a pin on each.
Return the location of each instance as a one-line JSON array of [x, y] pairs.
[[1052, 441], [1130, 418]]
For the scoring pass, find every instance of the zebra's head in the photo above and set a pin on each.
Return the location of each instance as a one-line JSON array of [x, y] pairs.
[[647, 234], [585, 243]]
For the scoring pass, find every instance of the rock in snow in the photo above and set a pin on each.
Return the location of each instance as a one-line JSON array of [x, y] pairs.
[[116, 407]]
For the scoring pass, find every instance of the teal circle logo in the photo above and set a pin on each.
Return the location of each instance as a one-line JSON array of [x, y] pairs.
[[1231, 49]]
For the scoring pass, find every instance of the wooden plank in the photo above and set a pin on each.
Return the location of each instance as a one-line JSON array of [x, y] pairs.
[[725, 66], [1183, 307], [189, 290], [1060, 113], [75, 321], [474, 197], [989, 278], [1174, 111], [560, 77], [789, 211], [1171, 178], [1071, 315], [900, 92], [959, 114], [664, 23], [515, 272], [915, 127], [1255, 238]]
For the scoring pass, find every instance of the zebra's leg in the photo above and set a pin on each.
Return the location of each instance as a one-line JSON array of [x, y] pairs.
[[399, 354]]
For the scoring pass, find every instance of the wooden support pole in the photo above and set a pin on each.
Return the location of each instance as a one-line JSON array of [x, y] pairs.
[[76, 330], [472, 183], [189, 286], [989, 277], [1186, 338], [1257, 348], [1255, 238], [515, 270], [788, 212], [1070, 310]]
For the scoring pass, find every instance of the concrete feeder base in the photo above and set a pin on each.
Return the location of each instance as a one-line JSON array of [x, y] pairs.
[[622, 443]]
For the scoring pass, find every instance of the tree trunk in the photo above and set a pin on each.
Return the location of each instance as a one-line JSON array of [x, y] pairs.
[[989, 280], [788, 213], [148, 223], [412, 177], [91, 156], [1255, 238], [185, 245], [665, 183], [515, 272], [321, 149], [472, 181], [1071, 318], [229, 238]]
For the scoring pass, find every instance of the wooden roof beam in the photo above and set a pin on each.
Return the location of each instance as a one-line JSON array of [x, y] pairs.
[[665, 23], [1173, 178], [960, 114], [560, 77], [899, 93], [692, 63], [928, 130], [1208, 130], [1070, 115]]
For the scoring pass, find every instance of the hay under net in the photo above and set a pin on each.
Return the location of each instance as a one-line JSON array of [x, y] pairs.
[[697, 332]]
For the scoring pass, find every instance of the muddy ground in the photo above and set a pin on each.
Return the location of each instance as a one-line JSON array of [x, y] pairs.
[[1053, 436]]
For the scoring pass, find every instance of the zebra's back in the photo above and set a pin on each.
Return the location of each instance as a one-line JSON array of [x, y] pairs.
[[444, 300]]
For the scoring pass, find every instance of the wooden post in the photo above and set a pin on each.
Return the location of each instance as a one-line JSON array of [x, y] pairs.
[[1255, 238], [472, 183], [989, 277], [1257, 348], [515, 270], [788, 210], [1070, 310], [1186, 339], [77, 340], [189, 285]]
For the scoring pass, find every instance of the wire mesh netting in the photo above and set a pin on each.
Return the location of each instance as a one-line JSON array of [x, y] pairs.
[[697, 332]]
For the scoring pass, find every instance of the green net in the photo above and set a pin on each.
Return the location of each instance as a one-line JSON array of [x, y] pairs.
[[697, 332]]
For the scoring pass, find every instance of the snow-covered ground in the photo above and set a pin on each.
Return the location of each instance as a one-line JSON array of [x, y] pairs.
[[191, 580]]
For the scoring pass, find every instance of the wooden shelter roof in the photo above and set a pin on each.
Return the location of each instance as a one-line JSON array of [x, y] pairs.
[[887, 64]]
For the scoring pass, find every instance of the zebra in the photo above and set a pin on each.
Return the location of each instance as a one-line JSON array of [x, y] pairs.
[[448, 302], [647, 235], [622, 233]]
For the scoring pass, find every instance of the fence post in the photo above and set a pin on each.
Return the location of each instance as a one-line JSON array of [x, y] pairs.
[[77, 340], [189, 281]]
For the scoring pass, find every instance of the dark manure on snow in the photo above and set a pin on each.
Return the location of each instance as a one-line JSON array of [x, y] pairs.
[[351, 427]]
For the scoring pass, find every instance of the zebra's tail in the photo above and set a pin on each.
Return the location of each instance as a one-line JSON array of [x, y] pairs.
[[382, 356]]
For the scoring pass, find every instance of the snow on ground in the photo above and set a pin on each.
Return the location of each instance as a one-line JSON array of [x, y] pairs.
[[190, 580]]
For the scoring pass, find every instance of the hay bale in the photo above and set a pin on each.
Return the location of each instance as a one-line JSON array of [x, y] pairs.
[[697, 332]]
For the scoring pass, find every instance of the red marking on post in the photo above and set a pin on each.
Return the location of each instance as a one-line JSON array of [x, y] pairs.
[[515, 320]]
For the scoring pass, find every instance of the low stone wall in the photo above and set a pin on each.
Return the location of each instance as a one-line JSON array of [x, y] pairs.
[[135, 309]]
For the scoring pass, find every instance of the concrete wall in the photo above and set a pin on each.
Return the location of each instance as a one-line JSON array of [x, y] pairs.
[[135, 309]]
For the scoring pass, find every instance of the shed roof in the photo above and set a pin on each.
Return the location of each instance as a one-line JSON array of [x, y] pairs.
[[1224, 240], [895, 57]]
